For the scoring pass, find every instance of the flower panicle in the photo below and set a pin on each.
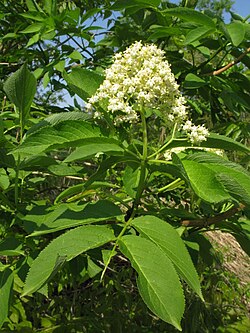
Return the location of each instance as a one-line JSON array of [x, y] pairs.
[[140, 77]]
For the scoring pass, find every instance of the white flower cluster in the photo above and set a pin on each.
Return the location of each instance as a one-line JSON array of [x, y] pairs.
[[177, 150], [196, 134], [139, 77]]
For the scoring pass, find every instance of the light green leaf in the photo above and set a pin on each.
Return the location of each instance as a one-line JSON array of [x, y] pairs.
[[35, 27], [204, 182], [190, 15], [197, 34], [69, 245], [33, 5], [20, 88], [69, 133], [236, 32], [75, 55], [34, 16], [6, 282], [4, 180], [34, 39], [167, 238], [93, 147], [158, 282], [84, 82], [193, 81]]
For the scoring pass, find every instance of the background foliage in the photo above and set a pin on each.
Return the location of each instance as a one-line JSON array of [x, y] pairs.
[[63, 203]]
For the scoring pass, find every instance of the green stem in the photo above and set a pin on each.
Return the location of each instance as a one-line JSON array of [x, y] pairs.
[[16, 180], [174, 184], [139, 191]]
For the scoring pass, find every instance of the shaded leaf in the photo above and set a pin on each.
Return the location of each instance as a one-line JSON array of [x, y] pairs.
[[41, 220], [6, 282], [121, 4], [190, 15]]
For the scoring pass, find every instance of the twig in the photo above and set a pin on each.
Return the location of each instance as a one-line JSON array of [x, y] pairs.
[[231, 64], [212, 220]]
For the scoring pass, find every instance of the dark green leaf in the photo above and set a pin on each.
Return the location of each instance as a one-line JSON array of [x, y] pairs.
[[6, 282], [121, 4], [41, 220], [11, 247], [190, 15]]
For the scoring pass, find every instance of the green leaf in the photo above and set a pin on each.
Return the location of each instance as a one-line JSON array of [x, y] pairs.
[[42, 220], [93, 147], [235, 187], [121, 4], [57, 118], [213, 141], [69, 133], [34, 16], [235, 181], [204, 183], [20, 88], [4, 180], [69, 245], [193, 81], [167, 238], [159, 32], [190, 15], [6, 282], [236, 32], [35, 27], [207, 157], [11, 247], [33, 5], [197, 34], [158, 282], [84, 82], [131, 179]]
